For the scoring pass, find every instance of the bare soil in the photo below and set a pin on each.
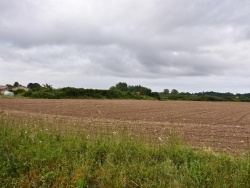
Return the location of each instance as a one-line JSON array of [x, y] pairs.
[[222, 126]]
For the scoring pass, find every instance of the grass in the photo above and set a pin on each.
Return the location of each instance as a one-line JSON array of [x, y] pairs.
[[10, 97], [36, 153]]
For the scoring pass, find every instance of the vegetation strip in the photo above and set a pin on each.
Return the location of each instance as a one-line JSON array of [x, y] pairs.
[[120, 91], [33, 154]]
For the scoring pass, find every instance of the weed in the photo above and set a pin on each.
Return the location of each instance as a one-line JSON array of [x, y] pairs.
[[33, 153]]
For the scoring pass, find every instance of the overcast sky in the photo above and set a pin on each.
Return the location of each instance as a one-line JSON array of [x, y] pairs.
[[194, 45]]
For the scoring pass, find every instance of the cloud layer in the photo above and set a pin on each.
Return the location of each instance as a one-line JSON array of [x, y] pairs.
[[151, 41]]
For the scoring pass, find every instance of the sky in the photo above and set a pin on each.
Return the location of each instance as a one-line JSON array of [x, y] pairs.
[[191, 46]]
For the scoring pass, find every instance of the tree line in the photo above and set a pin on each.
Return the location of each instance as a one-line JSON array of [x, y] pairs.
[[115, 92], [204, 96], [122, 91]]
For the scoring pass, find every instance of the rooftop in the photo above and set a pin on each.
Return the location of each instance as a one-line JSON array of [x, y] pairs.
[[3, 87]]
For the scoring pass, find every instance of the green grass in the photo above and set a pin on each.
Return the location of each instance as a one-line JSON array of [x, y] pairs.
[[33, 154], [10, 97]]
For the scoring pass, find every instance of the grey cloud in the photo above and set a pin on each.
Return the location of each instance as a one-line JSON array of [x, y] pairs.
[[126, 38]]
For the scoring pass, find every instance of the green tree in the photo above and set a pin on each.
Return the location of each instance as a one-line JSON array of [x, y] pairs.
[[140, 89], [47, 87], [121, 86], [16, 84], [9, 86], [174, 91], [33, 86], [166, 91]]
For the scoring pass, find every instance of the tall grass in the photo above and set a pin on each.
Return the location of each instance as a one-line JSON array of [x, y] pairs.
[[33, 154]]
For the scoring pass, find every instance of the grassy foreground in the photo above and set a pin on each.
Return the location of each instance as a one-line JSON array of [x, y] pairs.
[[33, 155]]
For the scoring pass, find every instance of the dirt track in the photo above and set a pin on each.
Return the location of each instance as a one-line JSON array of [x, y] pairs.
[[223, 126]]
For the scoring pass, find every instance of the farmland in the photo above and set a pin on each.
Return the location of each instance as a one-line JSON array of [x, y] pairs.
[[123, 143], [221, 126]]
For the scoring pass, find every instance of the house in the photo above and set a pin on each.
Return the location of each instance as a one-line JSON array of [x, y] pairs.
[[3, 89], [20, 87]]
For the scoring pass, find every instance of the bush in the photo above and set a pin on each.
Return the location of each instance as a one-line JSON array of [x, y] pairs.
[[19, 91]]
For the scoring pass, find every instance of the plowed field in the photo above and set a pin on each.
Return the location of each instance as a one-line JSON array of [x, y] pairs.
[[223, 126]]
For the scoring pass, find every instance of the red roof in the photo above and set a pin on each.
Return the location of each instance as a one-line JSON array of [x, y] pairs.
[[3, 87]]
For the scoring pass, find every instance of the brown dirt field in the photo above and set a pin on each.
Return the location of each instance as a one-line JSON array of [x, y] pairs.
[[222, 126]]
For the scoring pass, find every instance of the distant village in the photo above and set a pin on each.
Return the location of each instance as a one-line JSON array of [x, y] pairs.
[[8, 90]]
